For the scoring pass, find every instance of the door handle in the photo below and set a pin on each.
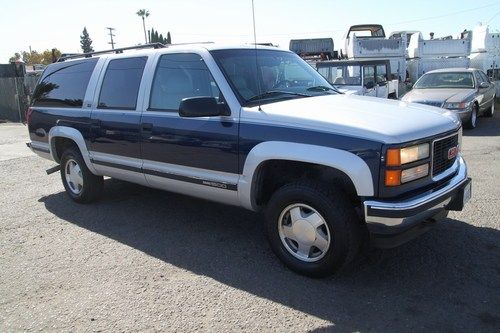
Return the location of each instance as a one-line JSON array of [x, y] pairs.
[[146, 127]]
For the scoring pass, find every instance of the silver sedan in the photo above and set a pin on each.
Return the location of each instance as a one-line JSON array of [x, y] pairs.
[[466, 91]]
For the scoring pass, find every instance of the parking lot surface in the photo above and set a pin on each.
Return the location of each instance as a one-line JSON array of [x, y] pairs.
[[142, 259]]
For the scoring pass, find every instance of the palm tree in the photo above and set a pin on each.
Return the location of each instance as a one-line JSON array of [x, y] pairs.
[[143, 13]]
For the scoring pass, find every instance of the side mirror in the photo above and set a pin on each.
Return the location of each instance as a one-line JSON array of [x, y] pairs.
[[202, 107], [369, 85], [483, 85]]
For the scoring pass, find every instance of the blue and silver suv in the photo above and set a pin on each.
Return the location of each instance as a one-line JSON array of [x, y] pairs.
[[255, 127]]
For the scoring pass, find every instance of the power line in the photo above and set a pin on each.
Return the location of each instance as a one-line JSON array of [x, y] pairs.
[[445, 15], [493, 17]]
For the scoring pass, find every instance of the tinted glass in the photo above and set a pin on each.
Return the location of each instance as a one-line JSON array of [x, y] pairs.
[[381, 73], [368, 74], [484, 78], [445, 80], [64, 84], [180, 76], [121, 83], [478, 77], [342, 74], [266, 76]]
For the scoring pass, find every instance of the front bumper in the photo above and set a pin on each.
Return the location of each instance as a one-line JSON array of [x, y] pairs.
[[394, 222]]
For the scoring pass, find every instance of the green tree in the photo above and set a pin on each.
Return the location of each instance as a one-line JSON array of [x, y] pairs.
[[86, 42], [169, 39], [143, 13], [15, 57], [155, 37], [34, 58]]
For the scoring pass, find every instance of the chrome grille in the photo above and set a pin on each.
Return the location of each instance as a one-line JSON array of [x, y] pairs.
[[432, 103], [440, 160]]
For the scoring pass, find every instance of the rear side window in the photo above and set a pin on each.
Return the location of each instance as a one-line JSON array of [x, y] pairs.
[[180, 76], [121, 84], [64, 84]]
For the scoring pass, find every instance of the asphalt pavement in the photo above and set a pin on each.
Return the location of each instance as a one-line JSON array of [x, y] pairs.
[[142, 259]]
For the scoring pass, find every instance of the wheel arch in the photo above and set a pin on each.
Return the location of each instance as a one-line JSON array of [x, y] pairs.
[[339, 161], [68, 133]]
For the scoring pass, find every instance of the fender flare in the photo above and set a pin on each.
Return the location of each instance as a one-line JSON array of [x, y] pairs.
[[77, 137], [350, 164]]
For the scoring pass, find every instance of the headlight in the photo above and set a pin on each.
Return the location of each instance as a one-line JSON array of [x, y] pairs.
[[399, 156], [462, 105]]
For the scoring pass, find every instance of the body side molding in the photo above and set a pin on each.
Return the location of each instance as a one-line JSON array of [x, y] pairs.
[[77, 137], [353, 166]]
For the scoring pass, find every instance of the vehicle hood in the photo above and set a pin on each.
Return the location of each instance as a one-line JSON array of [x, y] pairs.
[[377, 119], [439, 95]]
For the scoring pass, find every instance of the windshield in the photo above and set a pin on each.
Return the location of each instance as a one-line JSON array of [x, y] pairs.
[[445, 80], [342, 75], [266, 76]]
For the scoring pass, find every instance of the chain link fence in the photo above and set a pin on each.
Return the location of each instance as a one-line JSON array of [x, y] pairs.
[[15, 94]]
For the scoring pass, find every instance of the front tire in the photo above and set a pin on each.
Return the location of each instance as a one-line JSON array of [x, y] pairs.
[[472, 122], [81, 185], [491, 111], [312, 229]]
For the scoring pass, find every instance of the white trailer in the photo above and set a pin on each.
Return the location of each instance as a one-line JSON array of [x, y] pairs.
[[419, 66], [368, 41]]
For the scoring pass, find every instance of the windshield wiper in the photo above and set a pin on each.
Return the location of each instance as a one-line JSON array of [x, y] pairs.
[[272, 93], [324, 88]]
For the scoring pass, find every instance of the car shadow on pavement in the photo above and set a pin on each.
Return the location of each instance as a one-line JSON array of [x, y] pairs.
[[446, 280]]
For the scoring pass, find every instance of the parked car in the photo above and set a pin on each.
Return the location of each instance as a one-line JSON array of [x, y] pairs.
[[467, 92], [255, 127], [360, 77]]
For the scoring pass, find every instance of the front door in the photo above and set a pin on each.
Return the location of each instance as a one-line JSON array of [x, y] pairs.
[[196, 156]]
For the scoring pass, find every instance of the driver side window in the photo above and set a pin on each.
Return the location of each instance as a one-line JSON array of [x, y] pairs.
[[180, 76]]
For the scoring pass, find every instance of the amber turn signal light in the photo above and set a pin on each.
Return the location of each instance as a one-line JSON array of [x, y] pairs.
[[393, 157], [392, 177]]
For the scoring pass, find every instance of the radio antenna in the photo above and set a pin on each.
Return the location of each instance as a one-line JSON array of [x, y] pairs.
[[255, 46]]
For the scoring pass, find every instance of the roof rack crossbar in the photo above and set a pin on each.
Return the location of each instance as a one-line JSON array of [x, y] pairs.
[[117, 51], [120, 50]]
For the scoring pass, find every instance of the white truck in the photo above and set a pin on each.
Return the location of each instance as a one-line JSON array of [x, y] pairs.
[[368, 41], [361, 77]]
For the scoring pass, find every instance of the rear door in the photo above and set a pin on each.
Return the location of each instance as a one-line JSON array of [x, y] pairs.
[[195, 156], [115, 137]]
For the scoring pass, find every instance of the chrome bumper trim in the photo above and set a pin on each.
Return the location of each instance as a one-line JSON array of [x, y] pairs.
[[411, 211]]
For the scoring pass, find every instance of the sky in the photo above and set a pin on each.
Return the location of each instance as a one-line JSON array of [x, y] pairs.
[[44, 24]]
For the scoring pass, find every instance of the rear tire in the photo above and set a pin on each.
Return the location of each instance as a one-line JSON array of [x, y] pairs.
[[312, 229], [491, 111], [472, 122], [81, 185]]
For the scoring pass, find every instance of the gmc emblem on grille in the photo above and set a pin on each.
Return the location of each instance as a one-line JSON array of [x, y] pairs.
[[452, 152]]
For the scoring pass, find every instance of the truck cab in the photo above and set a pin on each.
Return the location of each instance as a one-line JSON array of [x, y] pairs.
[[360, 77]]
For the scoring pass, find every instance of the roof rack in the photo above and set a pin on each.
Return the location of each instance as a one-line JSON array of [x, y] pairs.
[[120, 50], [117, 51]]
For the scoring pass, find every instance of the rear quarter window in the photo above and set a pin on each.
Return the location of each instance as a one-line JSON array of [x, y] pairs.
[[64, 84]]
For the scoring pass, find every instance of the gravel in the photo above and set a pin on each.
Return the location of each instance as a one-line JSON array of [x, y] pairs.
[[142, 259]]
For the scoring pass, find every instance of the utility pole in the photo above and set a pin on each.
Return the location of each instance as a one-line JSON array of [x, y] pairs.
[[111, 35]]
